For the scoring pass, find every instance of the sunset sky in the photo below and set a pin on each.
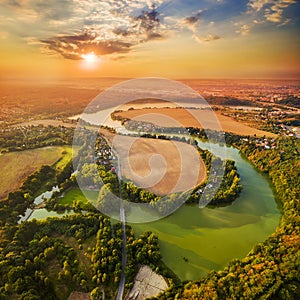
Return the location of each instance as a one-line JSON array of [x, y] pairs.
[[129, 38]]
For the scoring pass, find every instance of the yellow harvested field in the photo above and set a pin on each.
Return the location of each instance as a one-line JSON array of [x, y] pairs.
[[159, 166], [17, 166], [170, 117]]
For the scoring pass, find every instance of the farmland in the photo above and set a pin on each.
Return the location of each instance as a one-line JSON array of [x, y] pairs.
[[160, 166], [17, 166], [199, 118]]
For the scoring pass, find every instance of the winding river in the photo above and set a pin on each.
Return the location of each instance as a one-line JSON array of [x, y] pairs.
[[196, 240]]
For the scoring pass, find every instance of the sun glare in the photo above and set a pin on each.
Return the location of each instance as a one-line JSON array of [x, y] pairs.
[[90, 61], [89, 57]]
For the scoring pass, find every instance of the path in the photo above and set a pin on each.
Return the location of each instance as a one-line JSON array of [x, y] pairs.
[[123, 220]]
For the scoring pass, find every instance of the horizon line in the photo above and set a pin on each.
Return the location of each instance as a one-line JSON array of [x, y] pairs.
[[45, 79]]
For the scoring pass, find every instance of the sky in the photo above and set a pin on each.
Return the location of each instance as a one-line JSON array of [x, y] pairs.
[[162, 38]]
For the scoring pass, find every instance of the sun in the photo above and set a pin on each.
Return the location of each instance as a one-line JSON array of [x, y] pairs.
[[90, 61], [89, 57]]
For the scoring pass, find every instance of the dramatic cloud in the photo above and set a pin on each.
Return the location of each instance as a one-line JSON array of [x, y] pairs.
[[149, 23], [258, 4], [200, 33], [109, 31], [193, 19], [73, 27], [273, 10], [44, 10], [274, 14], [74, 46]]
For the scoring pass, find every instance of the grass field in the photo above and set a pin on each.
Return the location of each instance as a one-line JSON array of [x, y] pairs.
[[160, 166], [17, 166], [170, 117], [65, 158], [76, 194]]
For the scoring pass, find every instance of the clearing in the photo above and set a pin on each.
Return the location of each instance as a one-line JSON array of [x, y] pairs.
[[76, 194], [17, 166], [147, 284]]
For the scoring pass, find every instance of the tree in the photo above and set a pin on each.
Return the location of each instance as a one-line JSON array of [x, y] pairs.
[[96, 294]]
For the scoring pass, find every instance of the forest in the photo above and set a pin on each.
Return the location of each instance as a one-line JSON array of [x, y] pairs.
[[49, 259], [290, 101], [271, 269], [225, 174], [32, 137]]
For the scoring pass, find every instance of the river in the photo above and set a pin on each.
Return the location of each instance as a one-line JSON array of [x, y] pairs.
[[195, 240], [42, 213]]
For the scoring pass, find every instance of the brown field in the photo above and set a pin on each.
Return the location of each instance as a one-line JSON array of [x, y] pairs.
[[17, 166], [169, 117], [159, 166]]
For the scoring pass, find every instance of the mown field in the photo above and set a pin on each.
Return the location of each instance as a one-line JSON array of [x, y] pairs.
[[76, 194], [170, 117], [160, 166], [17, 166]]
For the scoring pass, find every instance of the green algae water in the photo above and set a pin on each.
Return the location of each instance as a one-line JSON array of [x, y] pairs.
[[196, 240]]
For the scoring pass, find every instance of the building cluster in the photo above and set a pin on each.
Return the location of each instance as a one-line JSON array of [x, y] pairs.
[[103, 154], [147, 127], [264, 91], [266, 143]]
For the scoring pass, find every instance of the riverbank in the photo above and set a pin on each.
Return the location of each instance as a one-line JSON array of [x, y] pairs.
[[194, 241]]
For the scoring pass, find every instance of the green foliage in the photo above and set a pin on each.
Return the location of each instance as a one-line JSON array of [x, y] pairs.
[[96, 293], [107, 255], [31, 137], [18, 201], [135, 194], [50, 259], [271, 269], [224, 173]]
